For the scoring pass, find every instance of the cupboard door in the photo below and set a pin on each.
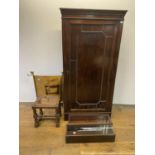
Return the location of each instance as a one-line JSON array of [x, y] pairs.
[[90, 56]]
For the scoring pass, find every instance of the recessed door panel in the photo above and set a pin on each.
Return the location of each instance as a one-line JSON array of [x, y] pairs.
[[90, 64], [89, 67]]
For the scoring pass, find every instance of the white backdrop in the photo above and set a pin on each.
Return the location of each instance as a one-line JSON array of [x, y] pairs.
[[41, 49]]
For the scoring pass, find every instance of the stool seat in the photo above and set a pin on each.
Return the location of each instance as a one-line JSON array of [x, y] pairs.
[[47, 101], [44, 106]]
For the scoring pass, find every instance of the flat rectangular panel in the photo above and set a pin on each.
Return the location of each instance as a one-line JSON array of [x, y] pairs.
[[89, 66]]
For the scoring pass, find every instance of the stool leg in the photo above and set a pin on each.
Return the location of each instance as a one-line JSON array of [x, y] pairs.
[[41, 112], [35, 116], [60, 109], [57, 117]]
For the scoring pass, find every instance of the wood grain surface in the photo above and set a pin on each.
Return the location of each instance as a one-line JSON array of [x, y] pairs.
[[49, 140]]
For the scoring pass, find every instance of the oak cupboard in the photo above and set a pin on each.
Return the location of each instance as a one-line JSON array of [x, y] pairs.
[[91, 41]]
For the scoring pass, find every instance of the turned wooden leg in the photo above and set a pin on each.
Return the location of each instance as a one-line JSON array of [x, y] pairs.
[[35, 116], [41, 112], [60, 113], [57, 120], [57, 117]]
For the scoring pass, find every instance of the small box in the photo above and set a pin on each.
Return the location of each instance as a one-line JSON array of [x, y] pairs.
[[89, 127]]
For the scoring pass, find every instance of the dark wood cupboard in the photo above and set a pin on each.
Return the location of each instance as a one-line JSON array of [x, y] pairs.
[[91, 42]]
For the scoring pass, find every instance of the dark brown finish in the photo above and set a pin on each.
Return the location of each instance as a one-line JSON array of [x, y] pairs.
[[89, 127], [89, 118], [91, 41], [51, 100]]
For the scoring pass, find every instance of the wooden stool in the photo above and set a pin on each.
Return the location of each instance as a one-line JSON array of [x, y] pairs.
[[47, 102], [48, 93]]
